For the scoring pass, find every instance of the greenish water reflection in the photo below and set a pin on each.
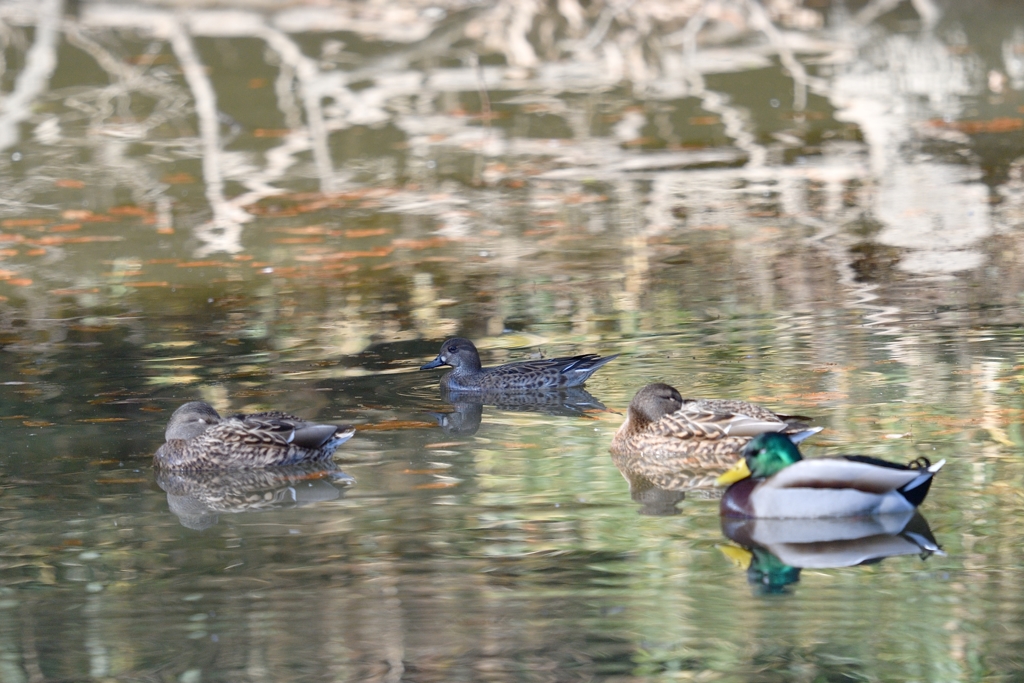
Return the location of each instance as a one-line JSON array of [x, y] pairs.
[[288, 207]]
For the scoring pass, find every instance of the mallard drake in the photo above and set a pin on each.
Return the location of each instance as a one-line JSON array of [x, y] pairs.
[[529, 375], [198, 438], [773, 481], [674, 441]]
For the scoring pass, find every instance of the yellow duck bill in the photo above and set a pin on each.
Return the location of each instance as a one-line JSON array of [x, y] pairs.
[[737, 472]]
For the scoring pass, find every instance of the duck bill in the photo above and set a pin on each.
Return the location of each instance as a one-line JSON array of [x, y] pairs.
[[741, 557], [436, 363], [739, 472]]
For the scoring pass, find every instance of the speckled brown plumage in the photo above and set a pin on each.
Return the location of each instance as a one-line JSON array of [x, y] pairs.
[[663, 433], [531, 375], [198, 438]]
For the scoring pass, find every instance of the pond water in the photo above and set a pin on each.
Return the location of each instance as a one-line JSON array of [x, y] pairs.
[[817, 206]]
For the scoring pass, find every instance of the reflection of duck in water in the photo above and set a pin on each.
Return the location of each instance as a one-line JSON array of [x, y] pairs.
[[198, 438], [655, 500], [530, 375], [772, 480], [196, 498], [680, 444], [775, 550], [468, 406]]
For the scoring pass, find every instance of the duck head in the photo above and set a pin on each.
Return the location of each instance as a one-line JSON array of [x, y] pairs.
[[191, 420], [765, 455], [651, 403], [458, 353]]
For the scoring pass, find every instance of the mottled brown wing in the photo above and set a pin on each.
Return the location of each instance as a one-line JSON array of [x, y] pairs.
[[795, 423], [731, 406], [295, 431], [277, 429], [692, 422]]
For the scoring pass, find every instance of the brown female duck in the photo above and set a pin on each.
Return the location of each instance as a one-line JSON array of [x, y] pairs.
[[530, 375], [198, 438], [673, 440]]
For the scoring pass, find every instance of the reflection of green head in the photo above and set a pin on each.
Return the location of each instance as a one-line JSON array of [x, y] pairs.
[[768, 453], [769, 574]]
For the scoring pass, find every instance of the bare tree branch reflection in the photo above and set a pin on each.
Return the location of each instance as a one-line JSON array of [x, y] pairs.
[[40, 61]]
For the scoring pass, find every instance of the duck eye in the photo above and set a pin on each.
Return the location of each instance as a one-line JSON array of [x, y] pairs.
[[452, 349]]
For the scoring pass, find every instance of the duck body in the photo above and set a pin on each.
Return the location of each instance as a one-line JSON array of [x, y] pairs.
[[468, 375], [198, 438], [672, 440], [773, 481]]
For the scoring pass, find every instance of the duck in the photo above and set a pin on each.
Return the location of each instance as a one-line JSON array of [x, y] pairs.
[[773, 481], [468, 375], [198, 438], [681, 443]]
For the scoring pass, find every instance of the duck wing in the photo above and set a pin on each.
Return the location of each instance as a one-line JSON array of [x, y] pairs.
[[861, 474], [588, 362], [550, 373], [564, 364], [720, 405], [278, 429], [694, 422]]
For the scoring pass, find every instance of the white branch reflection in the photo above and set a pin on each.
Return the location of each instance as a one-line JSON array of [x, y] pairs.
[[224, 231], [40, 61], [310, 86]]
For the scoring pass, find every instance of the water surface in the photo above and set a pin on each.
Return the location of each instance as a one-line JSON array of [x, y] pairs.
[[289, 207]]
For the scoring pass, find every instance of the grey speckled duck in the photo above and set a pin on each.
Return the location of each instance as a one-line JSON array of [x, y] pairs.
[[198, 438], [529, 375], [677, 443]]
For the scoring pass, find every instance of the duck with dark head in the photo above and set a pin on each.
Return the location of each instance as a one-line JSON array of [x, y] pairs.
[[468, 374], [773, 481]]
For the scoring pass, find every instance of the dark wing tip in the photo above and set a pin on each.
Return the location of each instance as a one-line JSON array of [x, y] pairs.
[[315, 436], [916, 491], [589, 361]]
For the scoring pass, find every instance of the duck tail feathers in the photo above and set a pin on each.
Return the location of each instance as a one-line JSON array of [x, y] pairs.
[[796, 419], [916, 490], [595, 364], [586, 365], [318, 436], [797, 437]]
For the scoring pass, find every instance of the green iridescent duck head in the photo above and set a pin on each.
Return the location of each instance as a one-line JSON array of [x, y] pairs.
[[765, 455]]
